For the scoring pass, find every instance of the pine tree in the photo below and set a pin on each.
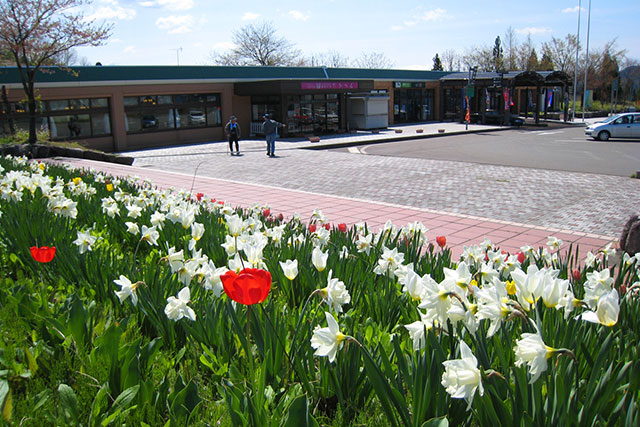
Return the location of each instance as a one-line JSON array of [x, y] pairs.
[[498, 55], [437, 64]]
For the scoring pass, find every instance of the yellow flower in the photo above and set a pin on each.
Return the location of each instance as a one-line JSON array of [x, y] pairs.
[[109, 187], [41, 166], [77, 180], [511, 287]]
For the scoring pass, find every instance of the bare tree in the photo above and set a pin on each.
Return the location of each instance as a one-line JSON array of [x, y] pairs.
[[259, 45], [481, 57], [510, 44], [562, 52], [331, 58], [35, 32], [373, 60], [524, 59], [450, 60]]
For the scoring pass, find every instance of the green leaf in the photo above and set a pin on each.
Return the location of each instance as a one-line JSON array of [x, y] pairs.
[[126, 397], [186, 401], [298, 414], [31, 361], [69, 403], [436, 422], [5, 400]]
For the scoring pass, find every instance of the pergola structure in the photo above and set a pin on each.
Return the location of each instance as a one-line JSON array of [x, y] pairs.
[[514, 91]]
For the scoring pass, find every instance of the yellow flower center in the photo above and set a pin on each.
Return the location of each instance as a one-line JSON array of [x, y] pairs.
[[511, 287]]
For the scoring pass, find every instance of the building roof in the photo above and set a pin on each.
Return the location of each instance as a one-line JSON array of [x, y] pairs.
[[196, 74]]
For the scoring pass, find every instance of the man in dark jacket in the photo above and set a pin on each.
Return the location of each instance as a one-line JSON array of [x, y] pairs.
[[270, 130], [232, 129]]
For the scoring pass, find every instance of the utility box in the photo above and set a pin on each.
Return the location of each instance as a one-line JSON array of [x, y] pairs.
[[368, 111]]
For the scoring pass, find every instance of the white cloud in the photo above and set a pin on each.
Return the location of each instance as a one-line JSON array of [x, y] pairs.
[[111, 12], [176, 24], [250, 16], [224, 45], [533, 30], [433, 15], [572, 9], [171, 5], [130, 49], [299, 16], [425, 16]]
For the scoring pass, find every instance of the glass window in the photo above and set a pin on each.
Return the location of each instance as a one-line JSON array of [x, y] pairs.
[[59, 105], [70, 126], [165, 99], [214, 116], [100, 124], [148, 100], [79, 104], [99, 103], [130, 100]]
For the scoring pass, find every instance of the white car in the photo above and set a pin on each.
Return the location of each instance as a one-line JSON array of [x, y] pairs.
[[625, 125], [197, 117]]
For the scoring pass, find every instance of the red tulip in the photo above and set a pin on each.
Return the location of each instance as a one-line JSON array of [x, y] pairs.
[[266, 212], [250, 286], [199, 196], [520, 257], [280, 217], [43, 253], [576, 275], [441, 241], [342, 227], [312, 228], [327, 226]]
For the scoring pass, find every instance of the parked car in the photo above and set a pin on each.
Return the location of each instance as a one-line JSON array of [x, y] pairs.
[[149, 122], [197, 117], [625, 125]]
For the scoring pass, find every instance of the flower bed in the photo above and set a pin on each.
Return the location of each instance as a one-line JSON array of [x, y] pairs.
[[121, 303]]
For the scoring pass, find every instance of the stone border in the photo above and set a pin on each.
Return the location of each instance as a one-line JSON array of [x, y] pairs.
[[42, 151]]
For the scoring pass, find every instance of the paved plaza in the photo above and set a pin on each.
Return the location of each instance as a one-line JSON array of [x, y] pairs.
[[466, 202]]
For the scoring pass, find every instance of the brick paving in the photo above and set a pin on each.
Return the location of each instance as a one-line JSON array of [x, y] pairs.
[[464, 201]]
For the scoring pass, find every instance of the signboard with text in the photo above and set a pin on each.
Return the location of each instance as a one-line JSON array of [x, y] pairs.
[[328, 85]]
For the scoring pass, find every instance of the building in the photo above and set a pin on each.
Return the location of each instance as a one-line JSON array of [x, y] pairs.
[[119, 108]]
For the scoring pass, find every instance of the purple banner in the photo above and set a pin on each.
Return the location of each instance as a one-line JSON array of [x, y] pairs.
[[328, 85]]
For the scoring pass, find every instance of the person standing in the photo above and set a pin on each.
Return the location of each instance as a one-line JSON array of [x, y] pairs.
[[232, 129], [270, 130]]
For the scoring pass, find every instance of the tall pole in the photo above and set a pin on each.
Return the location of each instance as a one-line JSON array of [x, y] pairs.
[[586, 62], [575, 68]]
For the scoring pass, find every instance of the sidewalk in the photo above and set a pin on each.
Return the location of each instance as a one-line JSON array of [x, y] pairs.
[[460, 230]]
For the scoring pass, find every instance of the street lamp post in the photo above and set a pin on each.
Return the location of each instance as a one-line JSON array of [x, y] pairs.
[[586, 62], [575, 68]]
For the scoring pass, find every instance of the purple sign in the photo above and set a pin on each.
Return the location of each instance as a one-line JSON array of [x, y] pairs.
[[328, 85]]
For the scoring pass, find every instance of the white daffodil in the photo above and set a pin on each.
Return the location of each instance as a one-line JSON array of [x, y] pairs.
[[389, 261], [319, 259], [132, 228], [607, 311], [590, 260], [460, 277], [150, 235], [158, 219], [254, 256], [177, 308], [290, 268], [235, 225], [553, 290], [127, 289], [133, 211], [84, 241], [418, 329], [344, 252], [461, 377], [413, 284], [364, 243], [532, 350], [554, 243], [327, 341], [335, 294], [598, 283], [176, 259], [528, 285], [493, 305]]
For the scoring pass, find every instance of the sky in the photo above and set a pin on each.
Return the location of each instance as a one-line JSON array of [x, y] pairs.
[[408, 32]]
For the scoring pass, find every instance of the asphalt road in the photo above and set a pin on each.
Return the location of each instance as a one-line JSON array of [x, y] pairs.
[[554, 148]]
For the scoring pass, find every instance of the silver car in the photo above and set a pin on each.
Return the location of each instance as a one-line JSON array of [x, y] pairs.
[[626, 125]]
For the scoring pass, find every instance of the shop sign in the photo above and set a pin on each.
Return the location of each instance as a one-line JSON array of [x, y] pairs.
[[402, 85], [328, 85]]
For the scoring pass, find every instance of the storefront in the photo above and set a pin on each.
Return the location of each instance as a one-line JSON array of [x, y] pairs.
[[306, 107], [412, 102], [120, 108]]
